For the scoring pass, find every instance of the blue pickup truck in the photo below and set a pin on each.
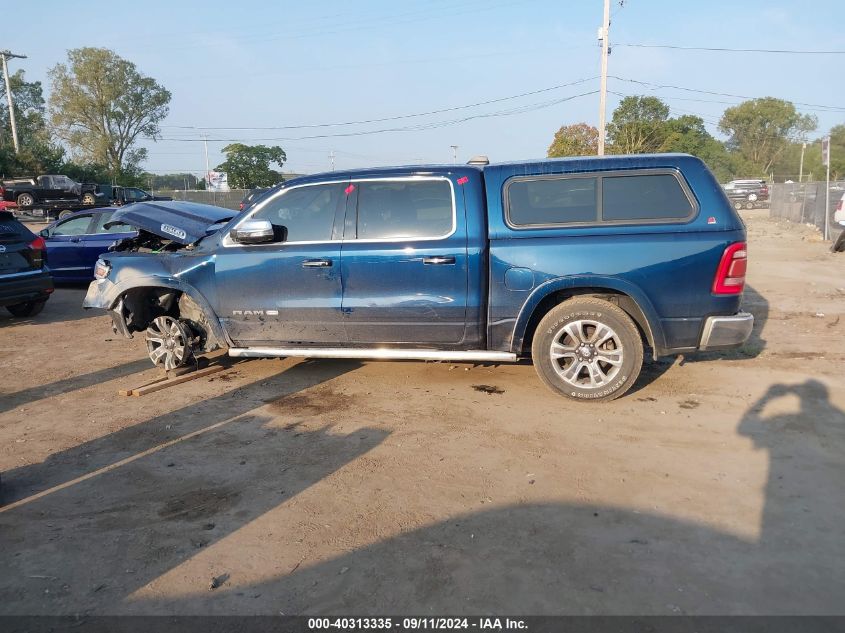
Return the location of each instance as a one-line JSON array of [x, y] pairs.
[[581, 264]]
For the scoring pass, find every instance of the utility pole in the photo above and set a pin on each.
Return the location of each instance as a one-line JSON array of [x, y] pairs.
[[826, 162], [205, 143], [9, 55], [801, 164], [604, 34], [208, 171], [454, 154], [331, 158]]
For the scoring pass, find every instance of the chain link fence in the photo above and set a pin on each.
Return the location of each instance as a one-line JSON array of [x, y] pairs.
[[805, 202], [227, 199]]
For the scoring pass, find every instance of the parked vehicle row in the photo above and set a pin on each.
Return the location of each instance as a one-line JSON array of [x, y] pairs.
[[579, 264], [59, 196], [49, 189]]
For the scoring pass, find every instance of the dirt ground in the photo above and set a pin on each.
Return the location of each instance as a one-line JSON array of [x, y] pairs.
[[304, 487]]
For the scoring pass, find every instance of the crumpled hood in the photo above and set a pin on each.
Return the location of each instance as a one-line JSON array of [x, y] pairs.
[[182, 222]]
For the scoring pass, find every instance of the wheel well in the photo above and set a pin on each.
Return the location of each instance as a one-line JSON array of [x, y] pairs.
[[143, 304], [613, 296]]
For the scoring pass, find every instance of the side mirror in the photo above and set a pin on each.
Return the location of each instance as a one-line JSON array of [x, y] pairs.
[[44, 233], [254, 232]]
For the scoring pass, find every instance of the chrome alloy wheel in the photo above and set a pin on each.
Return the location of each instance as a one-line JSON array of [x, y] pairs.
[[586, 354], [168, 342]]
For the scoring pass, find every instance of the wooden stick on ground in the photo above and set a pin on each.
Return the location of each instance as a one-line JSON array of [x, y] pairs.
[[168, 381]]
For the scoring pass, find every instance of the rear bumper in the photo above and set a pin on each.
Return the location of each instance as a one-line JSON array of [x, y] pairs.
[[725, 332], [23, 287]]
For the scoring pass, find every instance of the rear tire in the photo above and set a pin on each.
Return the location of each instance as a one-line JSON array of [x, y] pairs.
[[587, 349], [28, 309], [64, 213], [89, 199], [25, 200]]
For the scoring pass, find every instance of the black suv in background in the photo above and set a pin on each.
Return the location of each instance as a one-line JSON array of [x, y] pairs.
[[747, 193], [25, 282]]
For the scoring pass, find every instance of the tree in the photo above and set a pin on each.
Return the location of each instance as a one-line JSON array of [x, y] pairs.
[[38, 153], [688, 135], [638, 125], [760, 131], [248, 166], [579, 139], [102, 106]]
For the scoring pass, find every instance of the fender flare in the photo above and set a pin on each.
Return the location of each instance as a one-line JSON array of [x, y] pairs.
[[654, 330], [119, 289]]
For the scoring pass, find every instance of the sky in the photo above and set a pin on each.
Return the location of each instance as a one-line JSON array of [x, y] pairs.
[[282, 73]]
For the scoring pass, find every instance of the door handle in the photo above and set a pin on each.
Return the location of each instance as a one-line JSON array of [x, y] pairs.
[[75, 239], [316, 263], [438, 260]]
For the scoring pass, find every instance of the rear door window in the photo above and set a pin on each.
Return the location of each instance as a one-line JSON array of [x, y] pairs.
[[405, 209], [644, 197], [12, 231], [545, 201]]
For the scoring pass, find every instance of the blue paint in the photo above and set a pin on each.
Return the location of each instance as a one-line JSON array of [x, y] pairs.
[[488, 282]]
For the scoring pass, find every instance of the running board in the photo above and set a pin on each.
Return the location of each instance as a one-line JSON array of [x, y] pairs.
[[373, 353]]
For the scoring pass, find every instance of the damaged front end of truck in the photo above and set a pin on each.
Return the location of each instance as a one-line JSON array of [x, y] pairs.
[[158, 282]]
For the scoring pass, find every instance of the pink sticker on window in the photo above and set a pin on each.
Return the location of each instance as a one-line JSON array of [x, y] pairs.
[[711, 220], [463, 180], [349, 189]]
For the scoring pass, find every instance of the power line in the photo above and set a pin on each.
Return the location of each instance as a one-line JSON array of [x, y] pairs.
[[359, 23], [390, 118], [655, 86], [734, 50], [411, 128]]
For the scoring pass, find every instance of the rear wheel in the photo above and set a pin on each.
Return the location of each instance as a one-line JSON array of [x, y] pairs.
[[25, 200], [588, 349], [89, 198], [169, 342], [64, 213], [28, 309]]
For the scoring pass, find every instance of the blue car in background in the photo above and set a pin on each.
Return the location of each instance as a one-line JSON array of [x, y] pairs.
[[74, 243]]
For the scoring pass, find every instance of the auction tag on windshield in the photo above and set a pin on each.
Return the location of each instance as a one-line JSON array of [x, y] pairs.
[[172, 230]]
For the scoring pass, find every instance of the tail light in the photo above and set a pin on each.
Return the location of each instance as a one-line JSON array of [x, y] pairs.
[[39, 251], [241, 206], [730, 276], [839, 206]]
